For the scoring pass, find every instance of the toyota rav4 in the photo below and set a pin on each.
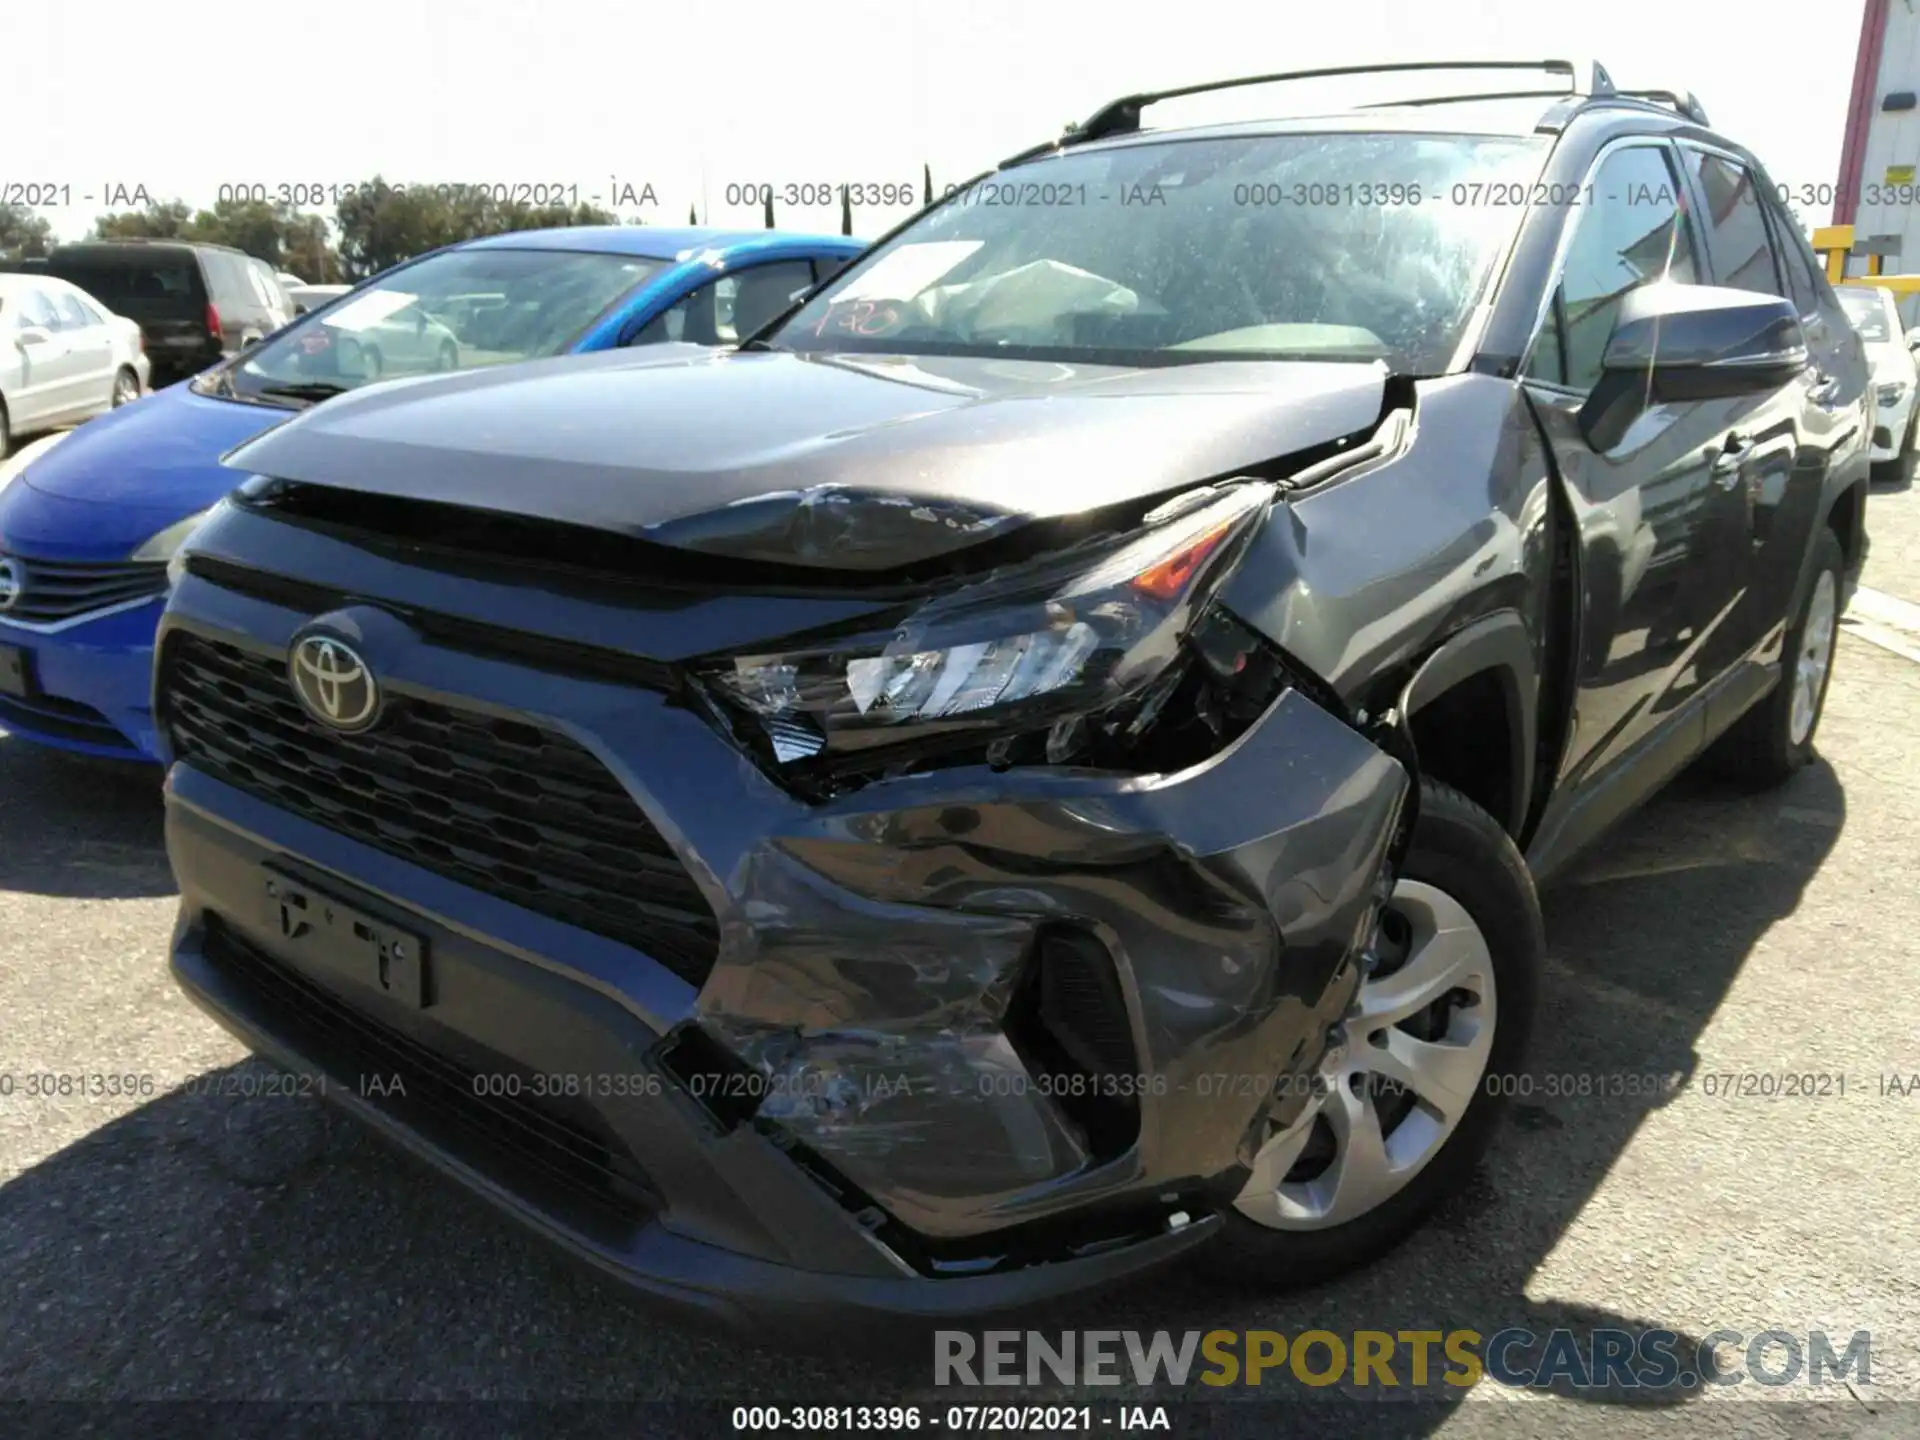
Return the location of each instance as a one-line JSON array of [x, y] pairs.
[[1036, 763]]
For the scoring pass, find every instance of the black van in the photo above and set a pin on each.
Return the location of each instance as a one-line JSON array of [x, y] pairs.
[[195, 304]]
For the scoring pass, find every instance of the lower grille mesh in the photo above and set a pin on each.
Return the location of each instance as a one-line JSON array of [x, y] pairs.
[[550, 1149]]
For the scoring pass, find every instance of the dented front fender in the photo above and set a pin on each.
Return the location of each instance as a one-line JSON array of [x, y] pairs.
[[874, 959]]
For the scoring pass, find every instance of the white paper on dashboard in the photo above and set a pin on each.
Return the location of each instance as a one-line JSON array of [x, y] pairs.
[[907, 271], [368, 310]]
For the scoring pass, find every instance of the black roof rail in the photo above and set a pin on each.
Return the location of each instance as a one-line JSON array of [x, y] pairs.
[[1681, 100], [1122, 116]]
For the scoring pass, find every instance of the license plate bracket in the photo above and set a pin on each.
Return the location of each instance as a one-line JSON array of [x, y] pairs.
[[344, 940], [16, 672]]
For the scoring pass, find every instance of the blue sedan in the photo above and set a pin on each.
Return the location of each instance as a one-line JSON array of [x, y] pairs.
[[88, 525]]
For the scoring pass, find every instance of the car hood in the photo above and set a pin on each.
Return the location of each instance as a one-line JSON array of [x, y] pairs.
[[866, 462], [117, 480]]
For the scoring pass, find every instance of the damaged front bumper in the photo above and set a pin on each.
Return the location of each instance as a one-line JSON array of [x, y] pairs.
[[971, 1040]]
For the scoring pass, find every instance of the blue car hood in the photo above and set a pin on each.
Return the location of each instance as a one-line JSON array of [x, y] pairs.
[[110, 485]]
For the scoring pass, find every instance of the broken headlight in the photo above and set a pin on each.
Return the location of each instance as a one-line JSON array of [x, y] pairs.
[[1043, 645]]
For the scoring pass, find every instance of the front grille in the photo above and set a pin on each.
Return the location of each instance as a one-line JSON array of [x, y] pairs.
[[523, 1144], [50, 590], [512, 809]]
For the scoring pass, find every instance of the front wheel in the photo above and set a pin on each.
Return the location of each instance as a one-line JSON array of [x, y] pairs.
[[1406, 1097]]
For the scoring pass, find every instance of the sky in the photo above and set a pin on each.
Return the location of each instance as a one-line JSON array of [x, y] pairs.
[[701, 103]]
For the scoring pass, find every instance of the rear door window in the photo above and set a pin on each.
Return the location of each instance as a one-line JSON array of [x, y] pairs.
[[231, 282], [74, 314], [1735, 225]]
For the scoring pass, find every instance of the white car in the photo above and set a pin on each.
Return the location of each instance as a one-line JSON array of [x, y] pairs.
[[312, 297], [389, 332], [1895, 377], [64, 357]]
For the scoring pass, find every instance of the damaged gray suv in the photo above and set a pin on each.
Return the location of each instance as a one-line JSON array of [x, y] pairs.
[[1036, 764]]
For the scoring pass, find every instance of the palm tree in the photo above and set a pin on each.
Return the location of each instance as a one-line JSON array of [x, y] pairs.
[[926, 189], [693, 217], [767, 196], [846, 211]]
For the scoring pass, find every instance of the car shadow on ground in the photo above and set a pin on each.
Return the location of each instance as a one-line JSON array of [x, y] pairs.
[[77, 828], [228, 1243]]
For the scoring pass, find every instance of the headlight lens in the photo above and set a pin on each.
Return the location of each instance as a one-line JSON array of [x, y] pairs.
[[167, 543], [1071, 636]]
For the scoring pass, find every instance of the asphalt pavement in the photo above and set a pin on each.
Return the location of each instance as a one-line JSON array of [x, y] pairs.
[[204, 1243]]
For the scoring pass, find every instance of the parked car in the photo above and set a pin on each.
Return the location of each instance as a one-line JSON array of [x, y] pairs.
[[87, 531], [289, 281], [312, 297], [64, 358], [1896, 421], [196, 304], [272, 293], [1038, 764], [22, 265]]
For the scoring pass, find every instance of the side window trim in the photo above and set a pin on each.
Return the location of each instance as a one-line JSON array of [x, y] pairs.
[[1780, 231], [1549, 306]]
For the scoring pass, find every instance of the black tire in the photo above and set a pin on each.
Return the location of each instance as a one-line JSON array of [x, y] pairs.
[[125, 372], [1759, 749], [1460, 849], [449, 357], [6, 433]]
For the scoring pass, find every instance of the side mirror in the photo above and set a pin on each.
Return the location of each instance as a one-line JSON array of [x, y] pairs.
[[1677, 343], [33, 335], [1913, 338]]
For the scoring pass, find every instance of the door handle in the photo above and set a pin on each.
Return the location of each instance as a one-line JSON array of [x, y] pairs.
[[1728, 463], [1825, 388]]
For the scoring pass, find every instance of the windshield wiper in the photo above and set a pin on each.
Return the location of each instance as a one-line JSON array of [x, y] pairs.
[[306, 390]]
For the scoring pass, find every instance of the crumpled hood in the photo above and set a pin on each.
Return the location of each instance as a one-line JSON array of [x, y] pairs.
[[864, 462], [115, 481]]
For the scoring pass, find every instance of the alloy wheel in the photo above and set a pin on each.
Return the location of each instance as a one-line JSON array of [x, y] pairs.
[[1815, 655], [1398, 1078]]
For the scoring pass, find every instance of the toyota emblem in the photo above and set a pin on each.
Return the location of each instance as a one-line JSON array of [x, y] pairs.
[[333, 683], [12, 584]]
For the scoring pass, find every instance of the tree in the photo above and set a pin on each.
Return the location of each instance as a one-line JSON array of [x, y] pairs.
[[926, 189], [381, 224], [846, 211], [23, 233], [162, 220]]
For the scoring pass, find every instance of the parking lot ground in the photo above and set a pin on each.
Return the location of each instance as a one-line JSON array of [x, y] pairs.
[[204, 1244]]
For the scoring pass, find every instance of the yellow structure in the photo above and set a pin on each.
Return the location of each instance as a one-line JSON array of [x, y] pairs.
[[1834, 244]]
